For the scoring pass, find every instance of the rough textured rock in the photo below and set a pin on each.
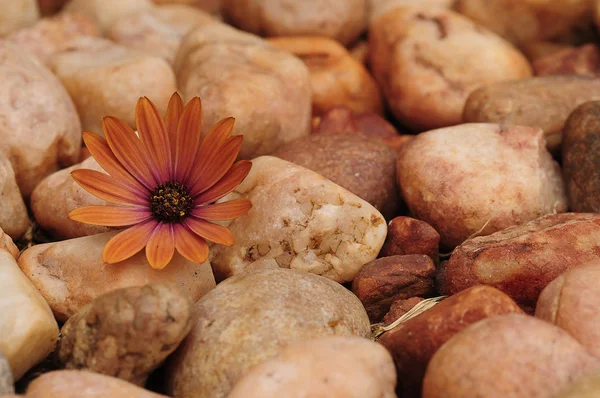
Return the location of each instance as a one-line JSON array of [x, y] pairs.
[[299, 220], [342, 120], [336, 78], [348, 367], [584, 61], [106, 12], [71, 273], [411, 236], [6, 378], [40, 130], [580, 158], [570, 302], [57, 195], [583, 387], [17, 14], [28, 330], [363, 165], [50, 36], [387, 279], [342, 20], [428, 60], [507, 355], [104, 78], [399, 308], [249, 318], [543, 102], [414, 342], [523, 260], [126, 333], [84, 384], [159, 30], [235, 73], [13, 213], [479, 178]]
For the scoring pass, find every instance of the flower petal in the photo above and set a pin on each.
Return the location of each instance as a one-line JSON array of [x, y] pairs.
[[161, 246], [110, 216], [213, 232], [130, 151], [100, 150], [152, 131], [174, 111], [188, 138], [128, 243], [190, 245], [234, 177], [216, 165], [107, 188], [223, 211]]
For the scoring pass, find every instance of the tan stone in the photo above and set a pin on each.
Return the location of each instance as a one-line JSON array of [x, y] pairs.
[[6, 378], [6, 243], [237, 74], [211, 6], [299, 220], [251, 317], [106, 79], [17, 14], [13, 213], [583, 387], [380, 7], [40, 130], [71, 273], [106, 12]]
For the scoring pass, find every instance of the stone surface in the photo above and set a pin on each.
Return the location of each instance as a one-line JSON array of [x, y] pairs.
[[336, 78], [411, 236], [251, 317], [342, 120], [583, 387], [380, 7], [399, 308], [241, 75], [543, 102], [414, 342], [508, 355], [6, 243], [299, 220], [84, 384], [211, 6], [428, 60], [159, 30], [50, 36], [104, 78], [361, 164], [6, 378], [17, 14], [71, 273], [342, 20], [538, 49], [40, 130], [28, 330], [571, 301], [580, 158], [106, 12], [126, 333], [13, 214], [479, 178], [523, 260], [387, 279], [584, 60], [57, 195], [348, 367]]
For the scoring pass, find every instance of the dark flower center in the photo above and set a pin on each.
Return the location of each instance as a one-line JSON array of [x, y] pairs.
[[170, 202]]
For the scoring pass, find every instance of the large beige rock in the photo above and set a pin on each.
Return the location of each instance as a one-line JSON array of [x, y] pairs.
[[50, 36], [17, 14], [380, 7], [57, 195], [71, 273], [342, 20], [299, 220], [428, 60], [106, 12], [104, 78], [28, 330], [6, 378], [211, 6], [339, 367], [6, 243], [40, 130], [159, 30], [583, 387], [13, 213], [251, 317], [237, 74], [479, 178]]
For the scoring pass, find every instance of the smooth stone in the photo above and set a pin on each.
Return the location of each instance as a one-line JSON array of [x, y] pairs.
[[13, 214], [299, 220], [251, 317], [17, 14], [6, 243], [6, 378], [106, 12], [40, 130], [584, 60], [583, 387], [411, 236], [71, 273]]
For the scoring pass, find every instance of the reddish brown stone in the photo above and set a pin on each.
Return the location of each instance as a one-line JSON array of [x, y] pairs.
[[342, 120], [413, 343], [411, 236], [584, 60], [381, 282], [399, 308]]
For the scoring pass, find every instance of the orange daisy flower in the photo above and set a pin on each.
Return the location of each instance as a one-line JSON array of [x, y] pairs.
[[164, 183]]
